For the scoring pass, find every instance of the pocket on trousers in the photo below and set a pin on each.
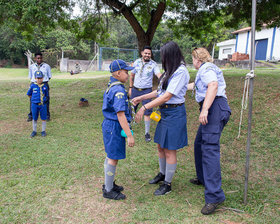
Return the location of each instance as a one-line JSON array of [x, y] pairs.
[[225, 112], [211, 134]]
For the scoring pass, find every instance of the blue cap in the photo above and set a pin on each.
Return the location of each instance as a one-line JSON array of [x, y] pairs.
[[118, 65], [38, 74]]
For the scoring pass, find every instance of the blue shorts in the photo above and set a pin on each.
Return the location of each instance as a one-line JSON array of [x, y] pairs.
[[113, 141], [171, 131], [36, 109], [135, 93]]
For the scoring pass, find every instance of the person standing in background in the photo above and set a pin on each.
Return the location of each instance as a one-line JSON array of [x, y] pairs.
[[141, 83], [47, 75]]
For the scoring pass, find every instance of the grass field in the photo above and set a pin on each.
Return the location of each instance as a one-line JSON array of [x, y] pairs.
[[58, 179]]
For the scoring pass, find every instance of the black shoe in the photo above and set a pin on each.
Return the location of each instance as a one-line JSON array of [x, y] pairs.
[[157, 178], [44, 134], [115, 195], [147, 137], [165, 188], [48, 119], [196, 181], [115, 187], [29, 119], [33, 134], [209, 208]]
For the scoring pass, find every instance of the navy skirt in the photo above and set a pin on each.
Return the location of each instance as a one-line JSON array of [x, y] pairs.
[[171, 131]]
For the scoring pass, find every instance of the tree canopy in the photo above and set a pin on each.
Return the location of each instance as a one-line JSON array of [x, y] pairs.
[[199, 18]]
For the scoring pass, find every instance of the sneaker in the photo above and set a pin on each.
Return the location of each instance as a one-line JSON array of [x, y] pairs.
[[43, 133], [196, 181], [157, 178], [115, 195], [33, 134], [115, 187], [29, 119], [209, 208], [163, 189], [147, 137]]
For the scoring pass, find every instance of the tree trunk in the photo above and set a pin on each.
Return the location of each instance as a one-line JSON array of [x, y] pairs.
[[144, 38]]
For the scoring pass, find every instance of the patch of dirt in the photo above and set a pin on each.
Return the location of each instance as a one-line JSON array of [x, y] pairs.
[[84, 203], [15, 127]]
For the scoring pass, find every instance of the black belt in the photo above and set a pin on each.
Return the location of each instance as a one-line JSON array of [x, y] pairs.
[[164, 106], [201, 102], [140, 89], [39, 103]]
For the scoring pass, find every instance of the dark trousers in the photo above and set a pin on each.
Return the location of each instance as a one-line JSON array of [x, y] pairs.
[[47, 103], [207, 151]]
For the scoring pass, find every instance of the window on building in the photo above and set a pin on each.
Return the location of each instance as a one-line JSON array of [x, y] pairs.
[[227, 51]]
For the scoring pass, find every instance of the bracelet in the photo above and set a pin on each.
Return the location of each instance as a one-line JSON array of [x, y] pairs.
[[130, 87], [144, 107]]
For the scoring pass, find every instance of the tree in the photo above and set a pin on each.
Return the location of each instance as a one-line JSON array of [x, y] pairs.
[[195, 17]]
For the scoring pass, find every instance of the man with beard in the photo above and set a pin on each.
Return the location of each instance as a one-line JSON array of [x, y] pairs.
[[141, 83]]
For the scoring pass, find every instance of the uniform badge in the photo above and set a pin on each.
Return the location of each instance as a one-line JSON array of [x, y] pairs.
[[119, 95]]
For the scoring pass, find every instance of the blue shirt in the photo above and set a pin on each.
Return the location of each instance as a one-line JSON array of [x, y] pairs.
[[208, 72], [115, 100], [43, 67], [144, 72], [177, 85], [38, 93]]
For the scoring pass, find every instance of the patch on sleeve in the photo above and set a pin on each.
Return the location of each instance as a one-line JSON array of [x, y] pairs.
[[119, 95]]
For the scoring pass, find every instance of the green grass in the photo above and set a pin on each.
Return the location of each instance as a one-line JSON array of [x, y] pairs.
[[58, 179]]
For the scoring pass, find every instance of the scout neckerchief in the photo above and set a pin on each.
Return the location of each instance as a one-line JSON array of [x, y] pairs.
[[195, 86], [142, 68], [41, 92]]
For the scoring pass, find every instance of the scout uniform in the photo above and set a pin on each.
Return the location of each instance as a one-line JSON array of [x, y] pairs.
[[143, 80], [171, 131], [115, 99], [39, 95], [47, 75], [207, 142]]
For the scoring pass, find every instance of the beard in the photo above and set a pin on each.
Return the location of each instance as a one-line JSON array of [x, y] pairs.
[[146, 60]]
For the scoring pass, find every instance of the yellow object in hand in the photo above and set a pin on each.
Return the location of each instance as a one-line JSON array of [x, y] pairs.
[[155, 116]]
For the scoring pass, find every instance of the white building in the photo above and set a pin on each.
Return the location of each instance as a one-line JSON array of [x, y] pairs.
[[267, 42], [225, 48]]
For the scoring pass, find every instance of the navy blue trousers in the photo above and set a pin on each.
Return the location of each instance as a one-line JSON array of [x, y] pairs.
[[207, 150], [47, 104]]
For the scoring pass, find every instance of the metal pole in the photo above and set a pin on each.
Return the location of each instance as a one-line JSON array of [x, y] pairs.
[[251, 85]]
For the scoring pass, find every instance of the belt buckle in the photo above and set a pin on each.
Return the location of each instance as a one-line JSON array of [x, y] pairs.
[[140, 89]]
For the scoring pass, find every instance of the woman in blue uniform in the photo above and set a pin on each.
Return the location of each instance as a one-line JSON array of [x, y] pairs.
[[214, 114], [171, 131]]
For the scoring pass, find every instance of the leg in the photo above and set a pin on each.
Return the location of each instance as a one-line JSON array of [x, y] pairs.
[[198, 158], [171, 164], [110, 171], [162, 167], [147, 127]]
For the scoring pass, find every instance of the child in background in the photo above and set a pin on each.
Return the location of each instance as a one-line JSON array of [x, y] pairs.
[[38, 92], [117, 117]]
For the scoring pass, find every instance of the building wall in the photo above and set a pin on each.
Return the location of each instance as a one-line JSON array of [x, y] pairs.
[[263, 34], [224, 55]]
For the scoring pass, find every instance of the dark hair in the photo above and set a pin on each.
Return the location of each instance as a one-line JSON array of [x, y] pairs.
[[38, 53], [147, 47], [171, 58]]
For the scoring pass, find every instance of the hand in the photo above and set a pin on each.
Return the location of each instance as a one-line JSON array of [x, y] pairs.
[[136, 100], [139, 115], [203, 116], [130, 141], [191, 86]]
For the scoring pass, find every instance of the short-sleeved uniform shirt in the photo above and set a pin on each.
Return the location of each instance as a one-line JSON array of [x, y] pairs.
[[115, 100], [38, 93], [144, 72], [209, 72], [177, 85], [44, 68]]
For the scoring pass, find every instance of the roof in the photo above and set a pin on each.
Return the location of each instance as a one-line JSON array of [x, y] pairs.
[[227, 42], [242, 30]]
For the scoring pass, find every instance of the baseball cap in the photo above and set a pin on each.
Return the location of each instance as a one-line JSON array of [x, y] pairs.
[[118, 65], [38, 74]]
